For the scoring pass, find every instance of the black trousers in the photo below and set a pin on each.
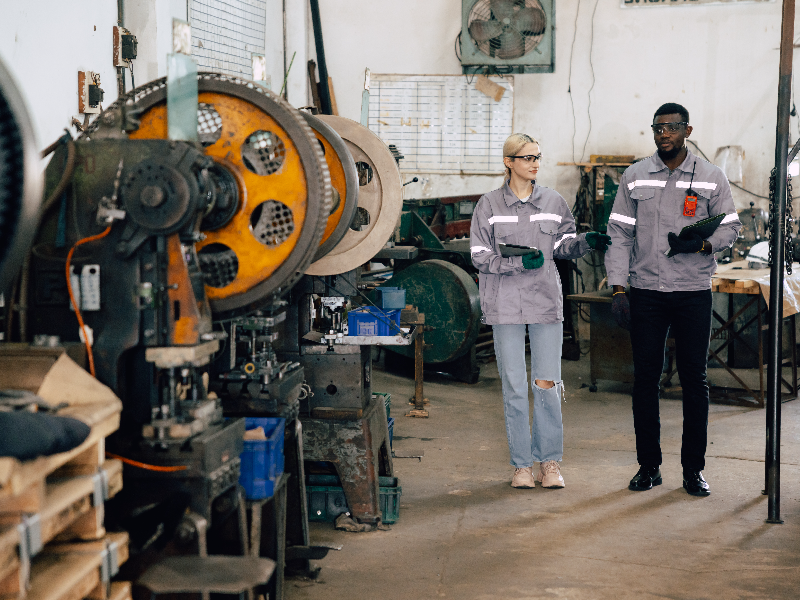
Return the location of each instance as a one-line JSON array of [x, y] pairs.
[[688, 316]]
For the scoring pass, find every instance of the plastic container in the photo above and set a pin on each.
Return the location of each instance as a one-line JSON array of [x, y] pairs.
[[262, 460], [368, 320], [391, 297], [326, 499]]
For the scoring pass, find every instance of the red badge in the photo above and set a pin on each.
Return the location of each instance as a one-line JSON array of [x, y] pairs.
[[689, 206]]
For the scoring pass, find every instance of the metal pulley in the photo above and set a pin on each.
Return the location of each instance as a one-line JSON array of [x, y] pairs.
[[256, 250], [21, 180], [380, 199]]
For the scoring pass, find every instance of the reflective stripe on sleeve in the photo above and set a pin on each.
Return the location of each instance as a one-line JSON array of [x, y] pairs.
[[730, 219], [622, 219], [501, 219], [646, 183], [565, 237], [700, 185], [478, 249], [546, 217]]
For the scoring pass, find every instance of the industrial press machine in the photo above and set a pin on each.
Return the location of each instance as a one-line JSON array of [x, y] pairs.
[[212, 280]]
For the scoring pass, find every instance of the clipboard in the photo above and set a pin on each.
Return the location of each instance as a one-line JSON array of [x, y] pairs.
[[508, 250], [703, 228]]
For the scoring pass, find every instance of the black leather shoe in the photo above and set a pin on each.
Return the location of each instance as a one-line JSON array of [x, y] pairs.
[[645, 479], [694, 483]]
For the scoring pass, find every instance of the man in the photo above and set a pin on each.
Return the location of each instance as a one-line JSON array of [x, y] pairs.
[[657, 197]]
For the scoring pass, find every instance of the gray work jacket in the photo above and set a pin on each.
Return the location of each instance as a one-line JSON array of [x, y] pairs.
[[510, 293], [648, 206]]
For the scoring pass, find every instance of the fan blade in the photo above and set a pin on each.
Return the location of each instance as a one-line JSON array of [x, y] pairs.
[[502, 9], [530, 21], [483, 31], [511, 44]]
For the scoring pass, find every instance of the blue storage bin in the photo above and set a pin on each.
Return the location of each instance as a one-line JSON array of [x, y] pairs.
[[262, 460], [369, 320], [391, 297]]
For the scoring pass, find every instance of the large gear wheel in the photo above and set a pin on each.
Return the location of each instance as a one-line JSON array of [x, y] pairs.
[[380, 199], [344, 179], [283, 182], [21, 179]]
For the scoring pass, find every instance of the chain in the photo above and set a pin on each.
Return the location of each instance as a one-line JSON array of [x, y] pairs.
[[772, 216], [789, 248]]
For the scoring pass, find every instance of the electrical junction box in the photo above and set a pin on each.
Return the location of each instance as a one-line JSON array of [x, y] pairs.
[[125, 46], [90, 95]]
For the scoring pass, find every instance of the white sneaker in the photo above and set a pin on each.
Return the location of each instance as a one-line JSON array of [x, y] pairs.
[[523, 478], [549, 475]]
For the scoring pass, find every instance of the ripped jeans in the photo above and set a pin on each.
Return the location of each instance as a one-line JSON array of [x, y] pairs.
[[543, 440]]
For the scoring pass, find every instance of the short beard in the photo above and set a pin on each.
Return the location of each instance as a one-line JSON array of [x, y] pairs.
[[664, 155]]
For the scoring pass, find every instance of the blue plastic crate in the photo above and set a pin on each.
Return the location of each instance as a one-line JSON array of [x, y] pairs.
[[326, 499], [262, 460], [391, 297], [369, 320]]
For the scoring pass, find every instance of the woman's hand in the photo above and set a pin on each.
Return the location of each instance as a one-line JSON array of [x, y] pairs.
[[533, 261], [620, 307], [598, 241]]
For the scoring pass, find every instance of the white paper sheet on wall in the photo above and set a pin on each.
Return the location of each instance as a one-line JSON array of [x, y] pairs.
[[442, 123]]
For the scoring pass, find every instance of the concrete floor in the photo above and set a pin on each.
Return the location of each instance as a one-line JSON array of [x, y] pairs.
[[465, 533]]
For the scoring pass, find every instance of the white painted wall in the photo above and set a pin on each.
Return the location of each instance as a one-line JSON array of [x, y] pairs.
[[45, 43], [718, 61]]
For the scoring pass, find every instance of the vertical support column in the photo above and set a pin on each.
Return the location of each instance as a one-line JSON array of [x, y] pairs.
[[776, 271]]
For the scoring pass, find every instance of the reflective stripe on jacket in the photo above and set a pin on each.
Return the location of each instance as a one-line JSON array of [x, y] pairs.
[[511, 294], [648, 206]]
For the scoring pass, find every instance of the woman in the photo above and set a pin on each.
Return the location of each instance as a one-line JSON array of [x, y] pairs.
[[525, 291]]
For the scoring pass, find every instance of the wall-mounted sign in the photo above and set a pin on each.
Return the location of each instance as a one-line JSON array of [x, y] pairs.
[[637, 3]]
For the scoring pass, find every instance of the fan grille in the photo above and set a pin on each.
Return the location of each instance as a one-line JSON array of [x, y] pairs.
[[507, 29]]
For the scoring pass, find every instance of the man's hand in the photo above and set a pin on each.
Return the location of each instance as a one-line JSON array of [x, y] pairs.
[[694, 243], [533, 261], [620, 307], [598, 241]]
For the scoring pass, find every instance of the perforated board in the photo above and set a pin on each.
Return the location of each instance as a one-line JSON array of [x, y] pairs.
[[441, 123], [225, 33]]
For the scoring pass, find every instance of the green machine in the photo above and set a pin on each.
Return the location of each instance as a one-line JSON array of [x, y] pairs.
[[441, 282]]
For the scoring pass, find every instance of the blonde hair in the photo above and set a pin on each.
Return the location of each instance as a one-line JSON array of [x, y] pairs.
[[514, 143]]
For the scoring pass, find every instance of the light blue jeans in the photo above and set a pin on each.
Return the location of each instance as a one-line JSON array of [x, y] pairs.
[[544, 439]]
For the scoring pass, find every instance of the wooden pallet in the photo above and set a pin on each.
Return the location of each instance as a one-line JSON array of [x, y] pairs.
[[75, 571], [66, 509]]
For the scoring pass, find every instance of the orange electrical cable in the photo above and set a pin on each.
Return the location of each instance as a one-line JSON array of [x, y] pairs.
[[142, 465], [72, 296]]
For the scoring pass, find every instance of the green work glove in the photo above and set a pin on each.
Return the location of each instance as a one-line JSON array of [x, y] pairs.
[[533, 261], [598, 241]]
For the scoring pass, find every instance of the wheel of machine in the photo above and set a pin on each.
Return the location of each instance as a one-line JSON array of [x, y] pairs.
[[344, 180], [450, 301], [380, 199], [20, 179], [282, 178]]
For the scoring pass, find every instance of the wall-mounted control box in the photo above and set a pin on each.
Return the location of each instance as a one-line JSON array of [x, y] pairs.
[[125, 46], [90, 95]]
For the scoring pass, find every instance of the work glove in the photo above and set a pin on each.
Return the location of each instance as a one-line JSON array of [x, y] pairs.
[[692, 243], [533, 261], [621, 310], [598, 241]]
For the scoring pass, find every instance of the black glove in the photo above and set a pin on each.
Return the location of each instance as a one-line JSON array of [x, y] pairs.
[[598, 241], [692, 243], [533, 261], [621, 310]]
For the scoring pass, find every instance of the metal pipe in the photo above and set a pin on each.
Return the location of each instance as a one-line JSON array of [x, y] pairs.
[[324, 90], [773, 456]]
